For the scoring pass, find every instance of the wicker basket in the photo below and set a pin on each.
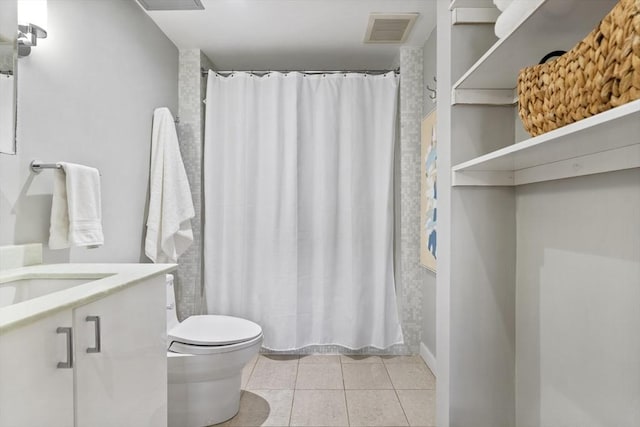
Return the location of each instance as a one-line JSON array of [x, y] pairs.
[[601, 72]]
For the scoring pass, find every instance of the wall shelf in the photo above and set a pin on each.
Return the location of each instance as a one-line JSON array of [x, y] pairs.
[[552, 25], [474, 15], [606, 142], [456, 4]]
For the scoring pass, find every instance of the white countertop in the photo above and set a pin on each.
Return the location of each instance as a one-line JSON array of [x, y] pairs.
[[110, 278]]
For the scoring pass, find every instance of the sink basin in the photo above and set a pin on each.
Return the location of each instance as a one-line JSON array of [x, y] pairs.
[[16, 291], [31, 292]]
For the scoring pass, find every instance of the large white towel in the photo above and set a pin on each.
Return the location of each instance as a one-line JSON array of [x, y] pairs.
[[76, 211], [170, 205]]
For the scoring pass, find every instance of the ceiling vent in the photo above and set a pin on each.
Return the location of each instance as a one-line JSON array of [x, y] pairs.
[[171, 4], [389, 27]]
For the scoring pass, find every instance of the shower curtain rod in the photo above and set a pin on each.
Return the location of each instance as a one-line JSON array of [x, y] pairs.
[[205, 72]]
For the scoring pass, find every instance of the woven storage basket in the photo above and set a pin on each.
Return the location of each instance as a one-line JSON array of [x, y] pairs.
[[601, 72]]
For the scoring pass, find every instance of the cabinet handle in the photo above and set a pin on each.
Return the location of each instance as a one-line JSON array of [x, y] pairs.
[[69, 363], [96, 348]]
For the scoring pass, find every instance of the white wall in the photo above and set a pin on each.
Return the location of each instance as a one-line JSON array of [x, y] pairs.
[[429, 70], [578, 302], [428, 336], [86, 95], [477, 254]]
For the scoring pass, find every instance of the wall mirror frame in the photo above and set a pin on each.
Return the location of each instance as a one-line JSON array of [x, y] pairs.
[[8, 76]]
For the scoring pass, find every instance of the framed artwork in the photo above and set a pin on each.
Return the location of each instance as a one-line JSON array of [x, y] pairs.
[[428, 193]]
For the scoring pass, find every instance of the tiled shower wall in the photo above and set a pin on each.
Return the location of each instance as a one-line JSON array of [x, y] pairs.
[[190, 130], [411, 274], [191, 92]]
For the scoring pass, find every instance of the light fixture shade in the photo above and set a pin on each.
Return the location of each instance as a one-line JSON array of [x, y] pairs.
[[32, 12]]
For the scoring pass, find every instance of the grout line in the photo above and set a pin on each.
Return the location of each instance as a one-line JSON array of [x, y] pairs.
[[293, 398], [344, 393], [395, 391], [401, 406], [251, 373]]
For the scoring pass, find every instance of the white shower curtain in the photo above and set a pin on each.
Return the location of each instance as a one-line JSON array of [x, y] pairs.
[[298, 187]]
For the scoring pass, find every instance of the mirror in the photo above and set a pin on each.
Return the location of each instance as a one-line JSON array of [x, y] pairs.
[[8, 76]]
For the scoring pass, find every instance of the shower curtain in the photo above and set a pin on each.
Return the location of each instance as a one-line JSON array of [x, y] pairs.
[[298, 188]]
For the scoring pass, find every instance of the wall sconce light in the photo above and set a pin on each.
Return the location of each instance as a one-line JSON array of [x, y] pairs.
[[32, 21]]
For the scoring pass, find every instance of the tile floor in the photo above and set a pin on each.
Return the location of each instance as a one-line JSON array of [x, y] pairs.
[[332, 390]]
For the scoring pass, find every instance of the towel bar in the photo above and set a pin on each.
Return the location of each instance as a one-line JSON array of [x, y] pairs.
[[36, 166]]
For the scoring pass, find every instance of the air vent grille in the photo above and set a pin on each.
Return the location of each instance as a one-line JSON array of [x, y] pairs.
[[171, 4], [389, 28]]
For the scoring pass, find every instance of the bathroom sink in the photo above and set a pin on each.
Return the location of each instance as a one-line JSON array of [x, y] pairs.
[[16, 291]]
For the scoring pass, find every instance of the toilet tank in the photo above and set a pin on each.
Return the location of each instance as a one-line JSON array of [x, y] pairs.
[[172, 316]]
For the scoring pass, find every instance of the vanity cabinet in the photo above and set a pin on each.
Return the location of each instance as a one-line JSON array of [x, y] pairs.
[[125, 383], [117, 375], [33, 390]]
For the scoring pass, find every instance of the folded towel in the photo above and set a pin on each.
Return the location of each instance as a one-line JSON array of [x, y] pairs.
[[76, 212], [513, 15], [502, 4], [170, 205]]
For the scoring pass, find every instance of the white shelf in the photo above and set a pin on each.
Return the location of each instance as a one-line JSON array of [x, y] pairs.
[[456, 4], [606, 142], [474, 15], [552, 25]]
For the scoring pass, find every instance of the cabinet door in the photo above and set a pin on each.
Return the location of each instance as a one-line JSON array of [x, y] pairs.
[[125, 383], [34, 391]]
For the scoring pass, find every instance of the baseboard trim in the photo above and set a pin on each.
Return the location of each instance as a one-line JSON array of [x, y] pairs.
[[428, 358]]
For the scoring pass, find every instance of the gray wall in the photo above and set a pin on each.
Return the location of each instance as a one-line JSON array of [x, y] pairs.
[[578, 302], [428, 336], [86, 95]]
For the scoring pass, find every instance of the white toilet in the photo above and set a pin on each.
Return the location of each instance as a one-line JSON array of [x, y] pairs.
[[205, 358]]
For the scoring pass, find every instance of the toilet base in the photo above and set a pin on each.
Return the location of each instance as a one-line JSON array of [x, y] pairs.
[[198, 404], [204, 389]]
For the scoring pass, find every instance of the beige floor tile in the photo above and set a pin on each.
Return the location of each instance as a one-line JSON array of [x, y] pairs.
[[246, 371], [273, 376], [419, 406], [319, 377], [402, 359], [366, 376], [374, 408], [319, 408], [320, 358], [360, 359], [263, 408], [411, 376]]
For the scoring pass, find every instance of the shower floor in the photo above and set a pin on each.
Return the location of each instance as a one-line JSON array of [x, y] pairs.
[[336, 390]]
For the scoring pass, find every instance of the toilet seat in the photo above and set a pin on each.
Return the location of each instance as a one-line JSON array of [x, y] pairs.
[[210, 334], [177, 348]]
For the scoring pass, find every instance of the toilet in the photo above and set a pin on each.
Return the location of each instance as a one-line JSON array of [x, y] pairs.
[[205, 357]]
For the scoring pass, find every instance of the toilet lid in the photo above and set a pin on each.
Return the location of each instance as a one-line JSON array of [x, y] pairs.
[[211, 330]]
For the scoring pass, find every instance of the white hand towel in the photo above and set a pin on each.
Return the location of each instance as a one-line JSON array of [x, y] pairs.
[[170, 205], [76, 211]]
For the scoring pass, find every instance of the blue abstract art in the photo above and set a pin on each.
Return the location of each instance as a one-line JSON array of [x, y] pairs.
[[429, 194]]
